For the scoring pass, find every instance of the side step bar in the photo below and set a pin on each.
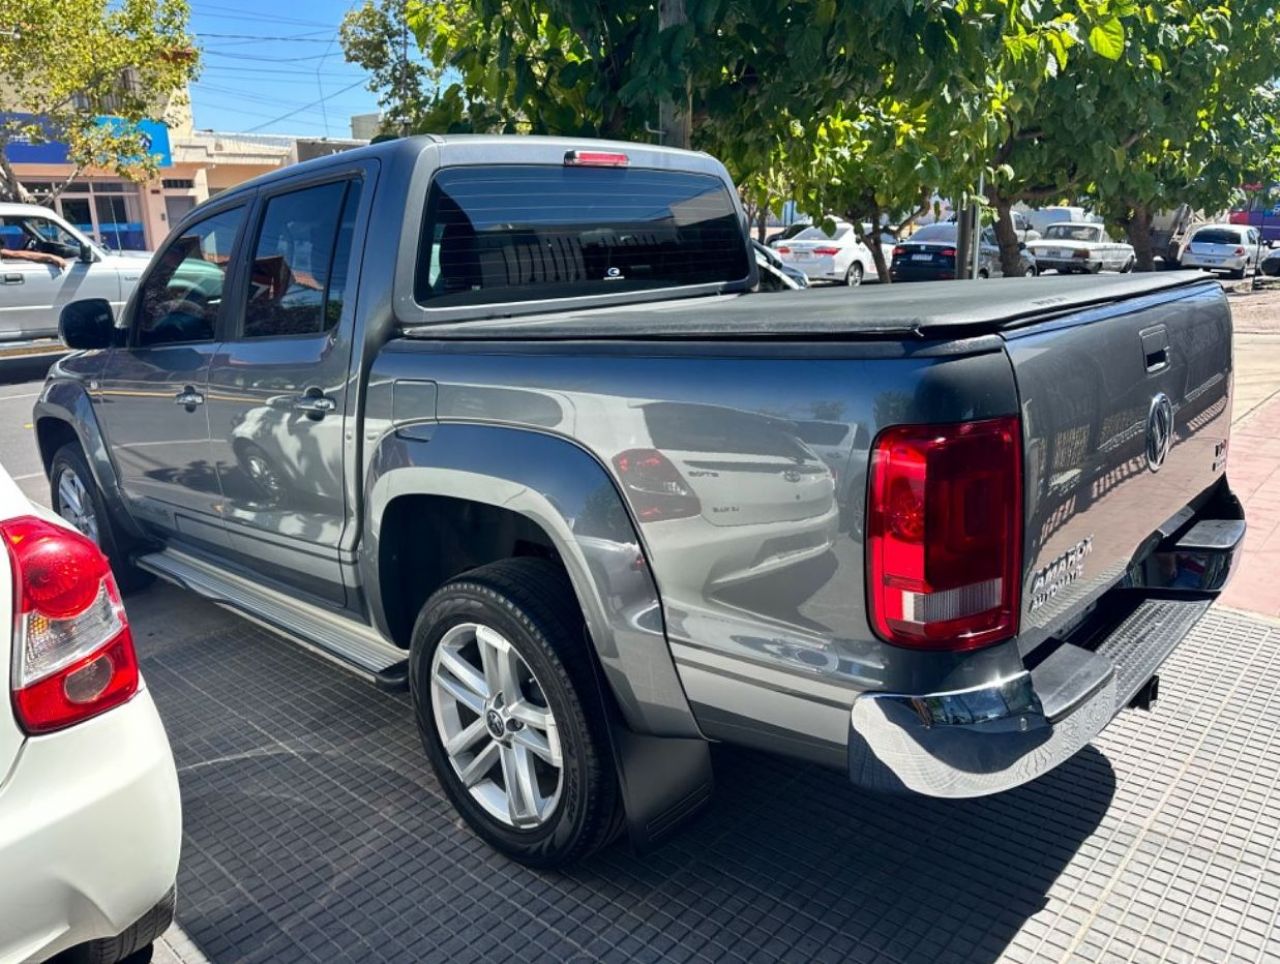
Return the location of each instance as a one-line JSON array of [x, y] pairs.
[[362, 647]]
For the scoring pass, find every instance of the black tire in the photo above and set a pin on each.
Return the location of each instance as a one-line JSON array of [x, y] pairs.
[[115, 544], [853, 277], [134, 946], [531, 603], [1127, 266], [1237, 275], [983, 274], [1095, 268]]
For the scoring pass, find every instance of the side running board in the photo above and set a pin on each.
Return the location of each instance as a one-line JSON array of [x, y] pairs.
[[357, 646]]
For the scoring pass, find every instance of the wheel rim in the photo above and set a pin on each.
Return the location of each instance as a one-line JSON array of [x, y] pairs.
[[853, 277], [262, 473], [495, 726], [74, 503]]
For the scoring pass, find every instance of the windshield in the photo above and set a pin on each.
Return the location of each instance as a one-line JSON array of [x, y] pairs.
[[1216, 236], [1073, 232], [530, 232], [817, 234], [935, 232]]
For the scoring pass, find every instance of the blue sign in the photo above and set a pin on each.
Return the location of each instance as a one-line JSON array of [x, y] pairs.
[[154, 135]]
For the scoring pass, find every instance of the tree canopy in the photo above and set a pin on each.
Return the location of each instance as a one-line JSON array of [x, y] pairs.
[[66, 66]]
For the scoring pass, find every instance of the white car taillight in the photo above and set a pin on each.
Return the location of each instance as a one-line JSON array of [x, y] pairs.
[[73, 655]]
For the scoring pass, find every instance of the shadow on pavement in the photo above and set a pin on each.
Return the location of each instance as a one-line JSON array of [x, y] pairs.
[[16, 369], [315, 830]]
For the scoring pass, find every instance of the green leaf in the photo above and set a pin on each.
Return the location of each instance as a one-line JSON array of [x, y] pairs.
[[1107, 39]]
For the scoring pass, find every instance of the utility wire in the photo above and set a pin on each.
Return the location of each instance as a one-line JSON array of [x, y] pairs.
[[304, 107]]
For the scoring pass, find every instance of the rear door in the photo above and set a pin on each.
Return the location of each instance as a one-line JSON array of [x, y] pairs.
[[280, 399], [1126, 413]]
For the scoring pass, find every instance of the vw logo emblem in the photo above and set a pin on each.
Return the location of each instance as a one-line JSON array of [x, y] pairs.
[[791, 475], [1159, 431], [493, 720]]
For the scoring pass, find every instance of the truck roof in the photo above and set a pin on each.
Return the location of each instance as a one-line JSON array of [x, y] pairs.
[[939, 309]]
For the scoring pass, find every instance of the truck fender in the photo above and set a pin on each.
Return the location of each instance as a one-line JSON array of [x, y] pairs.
[[662, 759], [68, 402]]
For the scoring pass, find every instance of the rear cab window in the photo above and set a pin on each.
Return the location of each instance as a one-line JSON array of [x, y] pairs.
[[1216, 236], [505, 234]]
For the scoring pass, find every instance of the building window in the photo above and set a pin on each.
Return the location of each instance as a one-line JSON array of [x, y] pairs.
[[178, 183], [110, 212]]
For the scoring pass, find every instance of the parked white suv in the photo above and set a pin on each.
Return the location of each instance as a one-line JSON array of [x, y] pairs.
[[32, 293], [90, 818]]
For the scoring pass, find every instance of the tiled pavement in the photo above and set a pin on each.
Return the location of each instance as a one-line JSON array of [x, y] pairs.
[[315, 831], [1253, 466]]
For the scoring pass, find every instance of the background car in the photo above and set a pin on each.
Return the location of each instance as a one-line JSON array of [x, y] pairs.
[[930, 255], [775, 274], [90, 818], [1081, 246], [31, 290], [838, 256], [1222, 247], [787, 233], [1270, 264]]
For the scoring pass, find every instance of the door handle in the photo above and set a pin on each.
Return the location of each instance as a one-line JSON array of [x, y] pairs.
[[14, 279], [314, 404], [188, 397]]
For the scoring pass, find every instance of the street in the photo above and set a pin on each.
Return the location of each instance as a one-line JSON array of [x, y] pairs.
[[314, 829]]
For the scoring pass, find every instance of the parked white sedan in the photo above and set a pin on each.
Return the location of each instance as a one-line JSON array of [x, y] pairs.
[[1232, 248], [90, 819], [1070, 246], [838, 256]]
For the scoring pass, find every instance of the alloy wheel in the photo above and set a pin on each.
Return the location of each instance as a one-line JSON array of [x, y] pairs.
[[495, 726], [75, 504]]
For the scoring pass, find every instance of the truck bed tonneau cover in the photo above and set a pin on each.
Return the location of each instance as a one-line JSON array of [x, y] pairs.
[[940, 309]]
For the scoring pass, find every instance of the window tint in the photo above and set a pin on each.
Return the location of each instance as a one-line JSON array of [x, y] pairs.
[[522, 232], [935, 232], [298, 278], [1216, 236], [817, 234], [709, 429], [183, 291], [1073, 232]]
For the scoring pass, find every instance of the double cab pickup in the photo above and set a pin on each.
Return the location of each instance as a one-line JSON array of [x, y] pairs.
[[505, 420]]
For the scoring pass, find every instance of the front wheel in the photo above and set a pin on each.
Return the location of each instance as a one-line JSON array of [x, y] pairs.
[[853, 277], [510, 714], [77, 498], [1127, 266]]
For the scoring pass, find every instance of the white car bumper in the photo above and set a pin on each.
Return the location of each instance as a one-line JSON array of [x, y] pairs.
[[1214, 262], [90, 832]]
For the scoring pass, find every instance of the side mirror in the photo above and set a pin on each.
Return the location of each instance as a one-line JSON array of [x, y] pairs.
[[86, 254], [87, 323]]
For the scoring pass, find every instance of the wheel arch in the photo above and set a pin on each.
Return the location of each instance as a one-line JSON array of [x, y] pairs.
[[444, 498], [64, 413]]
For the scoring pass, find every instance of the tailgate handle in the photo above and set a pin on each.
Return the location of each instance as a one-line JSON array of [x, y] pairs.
[[1155, 348]]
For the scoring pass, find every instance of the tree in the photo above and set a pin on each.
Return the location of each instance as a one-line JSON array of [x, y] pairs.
[[376, 37], [85, 73], [749, 69]]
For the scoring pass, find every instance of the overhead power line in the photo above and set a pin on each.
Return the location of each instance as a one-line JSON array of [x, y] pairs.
[[304, 107]]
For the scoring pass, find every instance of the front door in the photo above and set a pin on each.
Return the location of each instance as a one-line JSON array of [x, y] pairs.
[[152, 392], [279, 403], [32, 294]]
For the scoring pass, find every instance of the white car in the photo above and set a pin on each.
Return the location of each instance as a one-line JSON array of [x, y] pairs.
[[90, 818], [1081, 246], [1232, 248], [33, 294], [838, 256]]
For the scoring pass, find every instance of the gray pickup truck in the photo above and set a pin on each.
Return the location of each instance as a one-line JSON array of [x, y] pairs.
[[504, 420]]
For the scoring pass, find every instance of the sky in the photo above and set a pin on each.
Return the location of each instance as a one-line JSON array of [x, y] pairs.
[[275, 67]]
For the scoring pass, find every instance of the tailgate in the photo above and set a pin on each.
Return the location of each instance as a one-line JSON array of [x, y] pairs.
[[1126, 414]]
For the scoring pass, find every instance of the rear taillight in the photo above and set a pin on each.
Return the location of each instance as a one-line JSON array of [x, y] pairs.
[[1239, 252], [784, 250], [655, 487], [826, 252], [944, 533], [73, 655], [948, 252], [1081, 253], [898, 250]]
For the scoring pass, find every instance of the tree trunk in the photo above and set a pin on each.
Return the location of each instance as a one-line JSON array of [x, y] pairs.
[[1006, 237], [965, 239], [1138, 227], [872, 241], [10, 188], [762, 224], [675, 114]]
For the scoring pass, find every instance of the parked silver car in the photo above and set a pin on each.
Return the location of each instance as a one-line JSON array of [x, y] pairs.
[[1232, 248]]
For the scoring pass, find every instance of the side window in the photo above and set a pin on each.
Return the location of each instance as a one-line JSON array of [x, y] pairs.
[[299, 275], [26, 233], [180, 298]]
